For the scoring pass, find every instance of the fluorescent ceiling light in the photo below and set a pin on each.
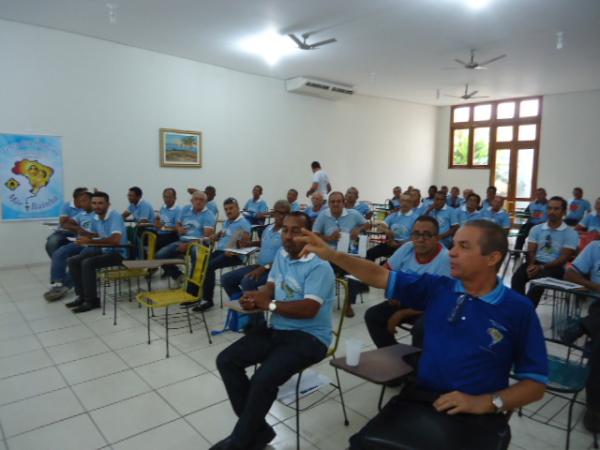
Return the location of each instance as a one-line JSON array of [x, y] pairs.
[[269, 45], [477, 4]]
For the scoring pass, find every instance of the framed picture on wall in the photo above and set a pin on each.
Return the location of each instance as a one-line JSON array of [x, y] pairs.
[[180, 148]]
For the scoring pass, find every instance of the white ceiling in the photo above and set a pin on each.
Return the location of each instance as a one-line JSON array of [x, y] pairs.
[[386, 48]]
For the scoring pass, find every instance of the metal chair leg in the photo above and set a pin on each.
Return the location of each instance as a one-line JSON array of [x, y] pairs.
[[298, 411], [167, 328], [148, 323], [187, 313], [206, 327], [339, 387]]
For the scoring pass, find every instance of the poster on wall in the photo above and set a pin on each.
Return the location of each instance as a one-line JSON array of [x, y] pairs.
[[180, 148], [31, 176]]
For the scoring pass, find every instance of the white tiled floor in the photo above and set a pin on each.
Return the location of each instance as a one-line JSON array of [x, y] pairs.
[[79, 382]]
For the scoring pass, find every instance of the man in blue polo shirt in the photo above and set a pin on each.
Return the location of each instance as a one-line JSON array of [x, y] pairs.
[[139, 209], [292, 198], [454, 200], [235, 234], [299, 294], [195, 222], [317, 205], [351, 202], [68, 211], [470, 210], [166, 220], [394, 202], [490, 195], [497, 214], [256, 210], [536, 213], [211, 203], [577, 207], [108, 231], [591, 222], [446, 218], [477, 332], [551, 245], [428, 201]]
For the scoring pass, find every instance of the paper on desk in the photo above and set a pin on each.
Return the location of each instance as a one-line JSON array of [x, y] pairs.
[[362, 245], [549, 281], [310, 382], [344, 242], [242, 251]]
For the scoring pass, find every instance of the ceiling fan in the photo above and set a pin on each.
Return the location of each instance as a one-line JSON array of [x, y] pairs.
[[474, 65], [468, 95], [303, 45]]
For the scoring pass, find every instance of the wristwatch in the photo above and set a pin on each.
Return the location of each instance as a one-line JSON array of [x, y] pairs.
[[497, 402], [267, 266], [272, 306]]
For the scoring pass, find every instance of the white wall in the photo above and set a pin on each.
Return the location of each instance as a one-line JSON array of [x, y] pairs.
[[569, 147], [108, 101]]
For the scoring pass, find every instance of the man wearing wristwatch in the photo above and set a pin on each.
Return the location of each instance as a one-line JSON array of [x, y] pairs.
[[551, 245], [299, 294]]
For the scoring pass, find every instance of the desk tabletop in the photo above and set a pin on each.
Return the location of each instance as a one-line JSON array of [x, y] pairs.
[[150, 263], [380, 366]]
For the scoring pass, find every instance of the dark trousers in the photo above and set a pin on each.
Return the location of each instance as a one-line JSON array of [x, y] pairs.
[[381, 251], [520, 279], [83, 271], [591, 326], [280, 354], [164, 239], [218, 260], [571, 222], [522, 236], [238, 281], [56, 240], [376, 319]]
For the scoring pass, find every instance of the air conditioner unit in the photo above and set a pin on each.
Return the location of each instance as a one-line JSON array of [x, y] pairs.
[[318, 88]]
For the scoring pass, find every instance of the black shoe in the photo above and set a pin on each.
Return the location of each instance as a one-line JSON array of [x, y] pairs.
[[204, 306], [225, 444], [85, 307], [591, 421], [263, 437], [74, 303]]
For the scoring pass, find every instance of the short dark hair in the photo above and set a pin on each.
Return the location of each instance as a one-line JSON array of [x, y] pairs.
[[492, 188], [170, 189], [104, 195], [136, 190], [440, 193], [85, 194], [431, 220], [209, 188], [78, 191], [307, 221], [493, 238], [230, 201], [562, 201], [315, 165], [258, 186], [433, 186], [475, 195], [334, 193], [293, 190], [578, 189]]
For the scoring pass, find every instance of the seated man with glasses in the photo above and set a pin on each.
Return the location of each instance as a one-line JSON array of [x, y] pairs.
[[422, 254]]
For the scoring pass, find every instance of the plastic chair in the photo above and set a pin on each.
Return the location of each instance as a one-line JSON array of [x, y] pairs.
[[196, 266]]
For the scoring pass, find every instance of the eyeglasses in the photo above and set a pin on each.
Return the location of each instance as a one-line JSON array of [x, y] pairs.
[[415, 236]]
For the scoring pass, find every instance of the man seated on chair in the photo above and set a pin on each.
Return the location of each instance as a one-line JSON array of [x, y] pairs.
[[394, 202], [577, 207], [497, 214], [591, 222], [299, 294], [108, 231], [211, 193], [428, 201], [446, 218], [292, 198], [586, 272], [490, 195], [251, 277], [166, 220], [235, 234], [470, 210], [69, 210], [195, 222], [255, 209], [536, 213], [422, 254], [477, 332], [318, 205], [551, 245], [454, 200], [140, 210], [80, 225], [351, 202]]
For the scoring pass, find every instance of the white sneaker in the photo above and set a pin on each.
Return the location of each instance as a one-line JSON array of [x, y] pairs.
[[56, 292]]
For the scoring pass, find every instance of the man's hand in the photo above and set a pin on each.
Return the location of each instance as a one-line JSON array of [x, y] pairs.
[[314, 244], [355, 233], [396, 319], [247, 303], [180, 229], [83, 240], [260, 299], [456, 402], [257, 273], [533, 270], [335, 236], [182, 248]]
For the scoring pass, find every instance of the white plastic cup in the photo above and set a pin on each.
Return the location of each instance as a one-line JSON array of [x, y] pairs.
[[353, 349]]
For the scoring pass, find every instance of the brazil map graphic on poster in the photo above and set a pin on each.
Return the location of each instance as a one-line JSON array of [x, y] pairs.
[[31, 176]]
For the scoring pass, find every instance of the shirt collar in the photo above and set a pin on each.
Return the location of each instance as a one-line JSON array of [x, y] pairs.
[[108, 211], [328, 212], [563, 226], [493, 298], [171, 208], [72, 204], [238, 218], [409, 213], [305, 258]]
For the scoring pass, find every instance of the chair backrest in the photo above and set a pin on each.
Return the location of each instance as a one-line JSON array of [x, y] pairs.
[[337, 332], [148, 240], [567, 311], [196, 258]]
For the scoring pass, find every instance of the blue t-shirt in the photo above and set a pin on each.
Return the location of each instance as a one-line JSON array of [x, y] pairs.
[[142, 211], [550, 241], [471, 344], [252, 208], [112, 224], [405, 260], [213, 208], [401, 224], [591, 222], [538, 212], [312, 213], [465, 216], [454, 202], [232, 232], [169, 216], [588, 262], [500, 217], [577, 208], [363, 209], [295, 206], [270, 243], [326, 224], [196, 222], [306, 278], [446, 218], [85, 220]]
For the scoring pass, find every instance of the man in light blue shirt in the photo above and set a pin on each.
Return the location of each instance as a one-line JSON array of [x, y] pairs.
[[397, 228], [299, 294], [497, 215], [292, 198], [317, 205], [577, 207], [256, 210], [536, 213], [551, 245], [454, 200], [337, 219], [68, 211], [469, 211], [446, 218], [591, 222], [139, 209], [490, 194], [166, 220], [351, 202], [428, 201], [394, 202], [211, 204]]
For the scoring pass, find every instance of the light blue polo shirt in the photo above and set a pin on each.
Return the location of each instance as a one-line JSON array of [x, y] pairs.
[[326, 224], [550, 241], [233, 229], [405, 260], [306, 278], [252, 208], [465, 216], [454, 202], [69, 209], [538, 212], [588, 262], [169, 216], [85, 220], [472, 344], [401, 224], [500, 217], [446, 218], [142, 211], [213, 208], [270, 243], [577, 208], [112, 224], [591, 222], [426, 203], [486, 205], [312, 213], [195, 222], [295, 206], [363, 208]]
